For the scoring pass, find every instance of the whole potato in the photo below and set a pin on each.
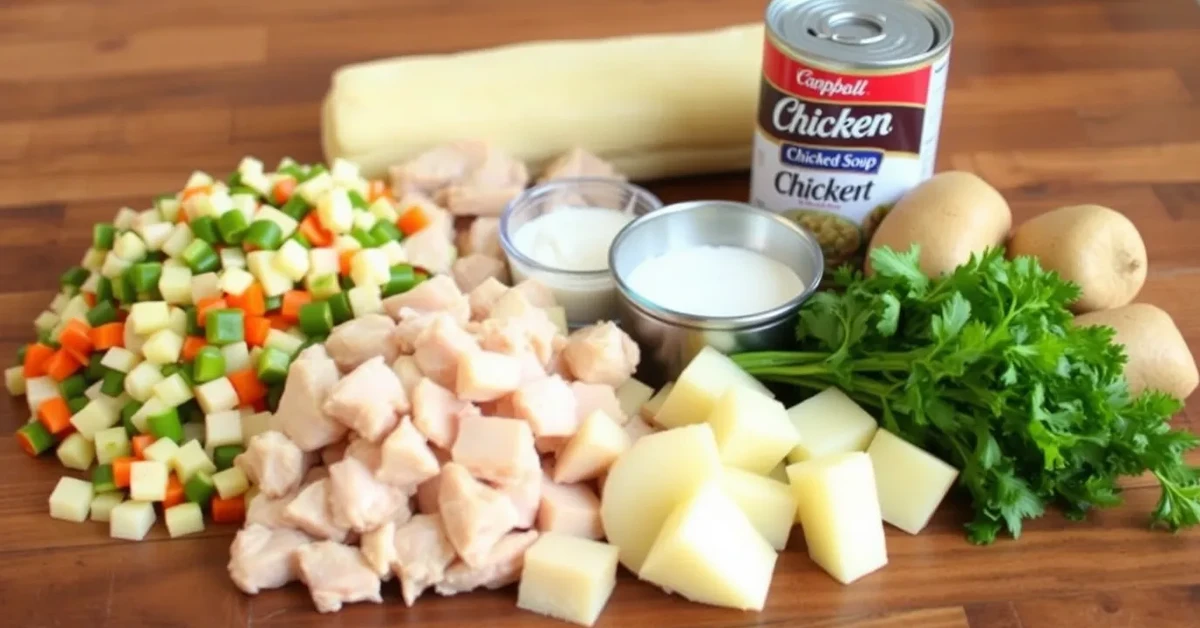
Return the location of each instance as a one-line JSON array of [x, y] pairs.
[[951, 216], [1159, 358], [1093, 246]]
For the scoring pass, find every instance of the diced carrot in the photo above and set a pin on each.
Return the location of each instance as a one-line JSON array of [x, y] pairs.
[[76, 339], [279, 322], [191, 346], [255, 330], [108, 336], [140, 443], [37, 356], [292, 300], [247, 386], [199, 189], [121, 469], [314, 231], [61, 365], [174, 494], [283, 190], [203, 306], [377, 189], [251, 301], [55, 415], [89, 298], [412, 221], [232, 510], [345, 260]]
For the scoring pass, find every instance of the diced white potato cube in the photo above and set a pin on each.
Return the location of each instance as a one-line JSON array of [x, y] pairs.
[[292, 260], [140, 382], [119, 359], [274, 282], [258, 261], [244, 204], [259, 182], [191, 458], [830, 423], [184, 519], [168, 208], [231, 482], [156, 235], [344, 243], [213, 204], [148, 480], [125, 218], [93, 260], [112, 443], [344, 172], [255, 424], [175, 284], [237, 357], [364, 220], [365, 300], [910, 481], [148, 317], [223, 428], [181, 236], [286, 223], [315, 188], [394, 252], [163, 450], [752, 430], [701, 383], [235, 281], [146, 217], [90, 284], [768, 503], [152, 407], [71, 499], [198, 179], [280, 340], [103, 504], [113, 265], [369, 267], [249, 165], [77, 307], [129, 247], [217, 395], [335, 211], [162, 347], [76, 452], [205, 285], [59, 302], [567, 577], [384, 209], [95, 416], [322, 261], [178, 322], [131, 520], [45, 321], [632, 395], [14, 379], [173, 391], [232, 258], [38, 390]]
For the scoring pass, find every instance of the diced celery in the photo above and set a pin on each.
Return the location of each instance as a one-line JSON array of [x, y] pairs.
[[225, 326], [149, 316], [229, 483], [217, 395], [103, 504], [131, 520], [104, 478], [148, 480], [200, 257], [222, 428], [95, 416], [224, 455], [235, 281], [191, 459], [232, 258], [237, 357], [151, 407], [292, 260], [14, 378], [181, 236], [120, 359], [205, 285], [272, 365], [162, 450], [365, 300], [113, 384], [287, 225], [184, 519], [140, 382], [71, 499], [130, 247], [76, 452], [323, 286], [283, 341], [156, 235], [103, 313], [173, 391], [175, 285], [208, 365], [111, 443], [163, 347], [335, 211]]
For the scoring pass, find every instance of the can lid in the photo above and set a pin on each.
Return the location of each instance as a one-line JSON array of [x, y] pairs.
[[861, 32]]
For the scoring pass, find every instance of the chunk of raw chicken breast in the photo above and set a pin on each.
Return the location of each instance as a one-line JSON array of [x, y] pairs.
[[368, 400], [483, 238], [474, 514], [490, 180], [412, 324], [310, 512], [368, 453], [486, 376], [592, 397], [578, 162], [438, 167], [439, 348], [406, 369], [532, 332], [336, 574], [300, 413], [474, 269], [536, 292], [483, 298], [571, 509], [264, 558], [379, 549], [361, 502], [314, 474], [437, 218], [500, 567], [548, 405], [358, 340], [431, 250], [601, 354], [269, 512], [525, 492], [273, 463], [494, 448], [407, 459], [435, 412], [332, 453], [436, 294], [422, 553]]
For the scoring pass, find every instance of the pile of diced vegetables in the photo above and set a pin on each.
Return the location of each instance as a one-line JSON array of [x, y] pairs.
[[171, 341]]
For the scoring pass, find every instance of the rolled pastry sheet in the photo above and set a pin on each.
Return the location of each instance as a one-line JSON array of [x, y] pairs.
[[653, 105]]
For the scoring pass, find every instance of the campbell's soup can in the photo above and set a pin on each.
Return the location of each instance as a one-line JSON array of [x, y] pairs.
[[848, 114]]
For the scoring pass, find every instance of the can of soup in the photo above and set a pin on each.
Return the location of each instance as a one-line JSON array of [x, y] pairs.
[[848, 113]]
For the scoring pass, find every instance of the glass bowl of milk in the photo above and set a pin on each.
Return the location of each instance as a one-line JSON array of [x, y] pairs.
[[559, 233]]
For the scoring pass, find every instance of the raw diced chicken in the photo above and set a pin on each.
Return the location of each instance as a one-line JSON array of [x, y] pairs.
[[368, 400], [525, 492], [310, 378], [487, 376], [478, 201], [548, 405], [556, 365], [592, 397], [495, 449], [332, 453], [264, 558], [483, 237], [438, 219], [411, 324], [571, 509], [361, 502], [360, 339], [379, 549], [422, 553], [474, 269], [269, 511], [273, 463], [437, 167], [550, 444], [439, 348], [491, 179], [427, 495], [536, 293], [405, 367], [368, 453], [314, 474], [601, 354], [336, 574], [475, 515], [592, 450], [407, 460], [431, 250], [483, 298], [578, 162], [498, 568], [532, 332], [310, 512], [435, 412], [436, 294]]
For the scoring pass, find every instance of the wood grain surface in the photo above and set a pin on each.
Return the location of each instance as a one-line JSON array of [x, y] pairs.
[[105, 103]]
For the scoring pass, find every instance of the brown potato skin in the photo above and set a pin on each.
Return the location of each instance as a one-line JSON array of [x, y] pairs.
[[951, 215], [1091, 245], [1159, 358]]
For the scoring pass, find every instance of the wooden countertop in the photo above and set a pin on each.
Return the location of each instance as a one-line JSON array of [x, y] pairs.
[[104, 104]]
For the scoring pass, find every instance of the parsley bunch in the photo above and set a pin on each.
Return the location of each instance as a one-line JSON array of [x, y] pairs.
[[986, 369]]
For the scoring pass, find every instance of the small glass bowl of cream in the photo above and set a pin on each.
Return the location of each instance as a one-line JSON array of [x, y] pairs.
[[559, 234]]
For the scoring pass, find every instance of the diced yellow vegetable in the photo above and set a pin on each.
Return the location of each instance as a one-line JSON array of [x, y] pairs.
[[76, 307], [140, 382], [286, 223], [590, 451], [175, 284], [231, 482], [335, 211], [237, 357], [223, 428], [235, 281], [204, 286], [131, 520], [14, 379], [567, 577], [148, 317], [369, 267], [103, 503], [95, 416], [173, 391], [169, 209], [181, 236], [76, 452], [189, 459], [250, 165], [216, 395], [129, 247], [71, 499], [258, 261], [830, 423], [651, 407], [91, 284], [753, 431], [292, 260], [184, 519], [910, 481], [163, 450], [162, 347], [59, 302], [701, 383], [768, 503], [148, 481], [155, 235], [178, 322], [125, 218], [120, 359], [111, 443], [113, 265], [153, 406], [365, 300]]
